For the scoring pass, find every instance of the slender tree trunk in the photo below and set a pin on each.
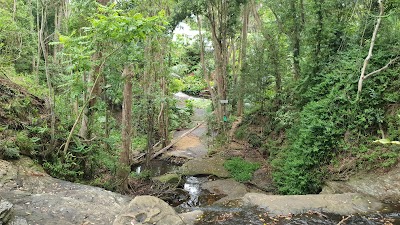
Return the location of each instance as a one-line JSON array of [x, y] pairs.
[[295, 40], [318, 37], [14, 9], [274, 52], [57, 29], [371, 48], [206, 74], [87, 118], [38, 27], [124, 157], [243, 67], [218, 16], [48, 78]]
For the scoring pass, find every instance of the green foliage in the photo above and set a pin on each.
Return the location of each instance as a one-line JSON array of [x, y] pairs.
[[176, 85], [143, 175], [379, 157], [193, 85], [25, 143], [9, 150], [330, 112], [240, 169], [180, 117], [139, 143], [66, 169]]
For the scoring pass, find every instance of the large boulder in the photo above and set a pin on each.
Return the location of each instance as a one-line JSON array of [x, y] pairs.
[[343, 204], [148, 209], [385, 187], [206, 166], [41, 199]]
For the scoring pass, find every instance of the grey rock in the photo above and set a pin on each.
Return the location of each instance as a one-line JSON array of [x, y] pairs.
[[5, 211], [190, 218], [229, 187], [143, 210], [381, 186], [207, 166], [343, 204], [18, 221], [169, 178], [46, 200]]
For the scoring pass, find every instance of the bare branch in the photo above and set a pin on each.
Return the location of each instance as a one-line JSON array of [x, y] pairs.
[[383, 68], [371, 47]]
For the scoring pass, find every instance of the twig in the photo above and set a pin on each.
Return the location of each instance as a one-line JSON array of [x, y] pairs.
[[383, 68], [344, 220]]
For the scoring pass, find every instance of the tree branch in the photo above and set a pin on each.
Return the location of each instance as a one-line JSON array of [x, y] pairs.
[[383, 68], [371, 47]]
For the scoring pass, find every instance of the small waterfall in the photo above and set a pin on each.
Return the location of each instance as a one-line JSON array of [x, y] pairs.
[[192, 186]]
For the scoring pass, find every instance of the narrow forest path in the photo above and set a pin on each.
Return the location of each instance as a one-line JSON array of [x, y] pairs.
[[193, 145]]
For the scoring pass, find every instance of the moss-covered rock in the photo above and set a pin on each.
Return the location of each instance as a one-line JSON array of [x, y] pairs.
[[209, 166], [169, 178]]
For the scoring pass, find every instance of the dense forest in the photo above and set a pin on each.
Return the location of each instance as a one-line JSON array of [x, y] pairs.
[[311, 84]]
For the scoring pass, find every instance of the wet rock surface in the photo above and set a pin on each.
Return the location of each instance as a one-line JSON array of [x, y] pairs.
[[383, 186], [36, 198], [342, 204], [148, 210]]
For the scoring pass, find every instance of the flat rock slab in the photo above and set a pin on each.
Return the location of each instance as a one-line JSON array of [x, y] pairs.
[[41, 199], [207, 166], [381, 186], [229, 187], [146, 210], [343, 204]]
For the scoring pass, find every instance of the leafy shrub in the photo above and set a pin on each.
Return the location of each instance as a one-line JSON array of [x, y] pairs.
[[67, 169], [328, 112], [26, 144], [193, 85], [180, 117], [313, 144], [9, 150], [240, 169], [143, 175]]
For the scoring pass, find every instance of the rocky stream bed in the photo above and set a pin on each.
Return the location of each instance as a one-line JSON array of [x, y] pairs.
[[30, 196]]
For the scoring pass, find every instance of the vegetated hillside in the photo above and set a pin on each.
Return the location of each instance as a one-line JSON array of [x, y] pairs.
[[23, 122]]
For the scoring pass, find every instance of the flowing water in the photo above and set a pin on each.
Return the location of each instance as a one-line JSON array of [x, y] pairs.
[[234, 214]]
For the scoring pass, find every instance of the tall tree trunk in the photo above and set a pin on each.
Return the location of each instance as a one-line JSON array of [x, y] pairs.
[[38, 53], [206, 74], [14, 9], [218, 17], [295, 36], [57, 29], [124, 157], [50, 101], [243, 51], [87, 117], [318, 37], [274, 52]]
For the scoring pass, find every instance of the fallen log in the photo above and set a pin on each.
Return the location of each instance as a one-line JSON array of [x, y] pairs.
[[161, 151]]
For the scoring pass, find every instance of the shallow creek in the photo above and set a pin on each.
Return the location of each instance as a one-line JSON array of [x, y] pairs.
[[235, 214]]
